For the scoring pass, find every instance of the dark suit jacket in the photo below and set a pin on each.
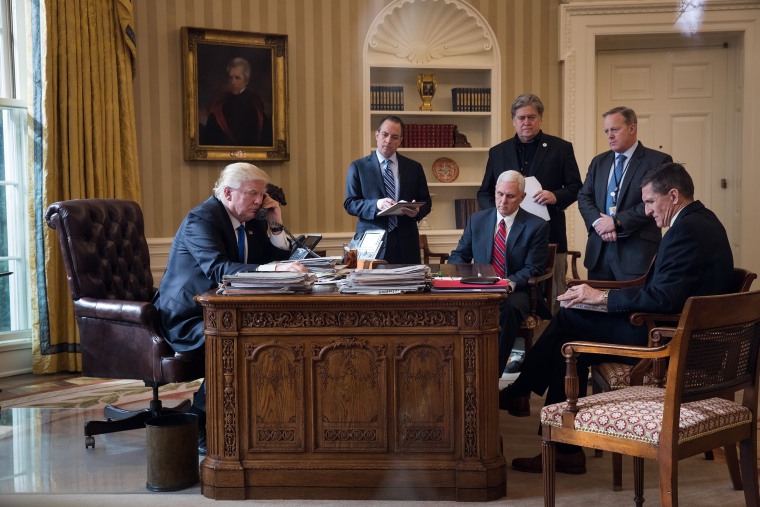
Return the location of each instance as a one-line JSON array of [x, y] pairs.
[[527, 245], [205, 249], [694, 259], [364, 186], [637, 242], [554, 166]]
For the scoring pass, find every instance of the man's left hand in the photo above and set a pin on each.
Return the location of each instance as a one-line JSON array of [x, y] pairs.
[[294, 266], [582, 294]]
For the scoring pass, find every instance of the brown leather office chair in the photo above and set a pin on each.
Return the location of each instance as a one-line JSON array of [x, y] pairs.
[[427, 253], [108, 270], [541, 297], [713, 354]]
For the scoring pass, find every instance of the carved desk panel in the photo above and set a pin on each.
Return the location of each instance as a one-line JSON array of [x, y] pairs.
[[342, 396]]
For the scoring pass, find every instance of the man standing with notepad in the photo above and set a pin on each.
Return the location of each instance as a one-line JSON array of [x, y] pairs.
[[381, 180]]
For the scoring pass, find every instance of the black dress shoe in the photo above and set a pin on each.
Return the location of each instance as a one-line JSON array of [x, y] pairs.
[[518, 406], [573, 463], [202, 442]]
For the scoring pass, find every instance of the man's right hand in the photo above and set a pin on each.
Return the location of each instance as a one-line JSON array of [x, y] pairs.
[[605, 228], [385, 203]]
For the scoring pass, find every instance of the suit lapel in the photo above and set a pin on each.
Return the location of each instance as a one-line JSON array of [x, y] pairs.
[[541, 149], [376, 171], [230, 237], [603, 179], [515, 231], [630, 172]]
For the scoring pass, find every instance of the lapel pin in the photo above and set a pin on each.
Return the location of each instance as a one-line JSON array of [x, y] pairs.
[[545, 145]]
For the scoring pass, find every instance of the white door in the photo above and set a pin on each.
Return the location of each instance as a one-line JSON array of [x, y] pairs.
[[685, 108]]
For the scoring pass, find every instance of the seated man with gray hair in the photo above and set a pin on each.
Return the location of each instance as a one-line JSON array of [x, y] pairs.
[[516, 244]]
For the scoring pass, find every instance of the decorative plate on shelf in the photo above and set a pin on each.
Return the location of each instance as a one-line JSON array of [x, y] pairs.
[[445, 170]]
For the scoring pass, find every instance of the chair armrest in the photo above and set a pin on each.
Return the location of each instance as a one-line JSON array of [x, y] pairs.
[[571, 350], [136, 312], [535, 280], [650, 319], [574, 255]]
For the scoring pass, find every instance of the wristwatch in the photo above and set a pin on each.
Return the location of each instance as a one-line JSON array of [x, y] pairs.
[[277, 229], [606, 294]]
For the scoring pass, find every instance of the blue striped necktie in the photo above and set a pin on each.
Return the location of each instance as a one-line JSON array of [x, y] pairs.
[[613, 187], [241, 242], [390, 190]]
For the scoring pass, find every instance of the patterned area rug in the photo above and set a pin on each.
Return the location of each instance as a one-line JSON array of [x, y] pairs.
[[87, 392]]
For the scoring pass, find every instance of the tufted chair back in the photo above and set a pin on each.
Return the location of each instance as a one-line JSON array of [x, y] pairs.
[[108, 269], [104, 248]]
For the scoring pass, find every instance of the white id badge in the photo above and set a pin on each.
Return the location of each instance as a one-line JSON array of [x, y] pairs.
[[613, 209]]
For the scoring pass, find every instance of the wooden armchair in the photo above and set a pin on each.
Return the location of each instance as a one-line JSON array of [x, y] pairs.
[[712, 355], [541, 297], [615, 375], [427, 254]]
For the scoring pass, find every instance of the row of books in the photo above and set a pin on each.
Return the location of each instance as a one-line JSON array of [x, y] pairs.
[[470, 99], [386, 98], [419, 135], [463, 209]]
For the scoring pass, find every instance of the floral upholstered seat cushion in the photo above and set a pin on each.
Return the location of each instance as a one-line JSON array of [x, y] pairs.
[[618, 375], [636, 414]]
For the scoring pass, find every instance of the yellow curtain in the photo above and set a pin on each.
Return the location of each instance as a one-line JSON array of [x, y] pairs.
[[86, 147]]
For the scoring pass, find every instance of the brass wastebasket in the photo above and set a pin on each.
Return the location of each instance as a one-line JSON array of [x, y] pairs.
[[172, 444]]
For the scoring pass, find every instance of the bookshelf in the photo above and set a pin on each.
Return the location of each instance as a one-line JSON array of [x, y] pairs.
[[397, 51]]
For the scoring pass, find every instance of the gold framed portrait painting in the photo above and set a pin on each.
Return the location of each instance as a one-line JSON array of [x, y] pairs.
[[235, 95]]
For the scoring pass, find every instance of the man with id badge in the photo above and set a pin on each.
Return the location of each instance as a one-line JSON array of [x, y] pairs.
[[622, 240]]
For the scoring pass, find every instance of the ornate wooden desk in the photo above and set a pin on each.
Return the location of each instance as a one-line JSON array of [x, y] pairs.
[[352, 397]]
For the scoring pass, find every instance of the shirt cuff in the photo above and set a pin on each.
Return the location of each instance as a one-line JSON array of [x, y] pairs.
[[281, 241], [272, 266]]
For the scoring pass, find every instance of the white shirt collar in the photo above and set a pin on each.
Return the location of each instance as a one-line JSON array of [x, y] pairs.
[[381, 158], [508, 220], [628, 153], [235, 222]]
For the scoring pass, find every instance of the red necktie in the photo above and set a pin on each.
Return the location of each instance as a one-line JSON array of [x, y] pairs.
[[498, 259]]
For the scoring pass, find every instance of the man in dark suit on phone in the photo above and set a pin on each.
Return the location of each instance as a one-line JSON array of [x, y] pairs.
[[550, 160], [622, 239], [524, 252], [219, 237], [380, 180]]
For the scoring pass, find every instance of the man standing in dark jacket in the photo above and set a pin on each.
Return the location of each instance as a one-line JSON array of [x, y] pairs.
[[551, 160]]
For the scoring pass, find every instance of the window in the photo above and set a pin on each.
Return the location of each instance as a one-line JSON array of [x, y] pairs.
[[15, 305]]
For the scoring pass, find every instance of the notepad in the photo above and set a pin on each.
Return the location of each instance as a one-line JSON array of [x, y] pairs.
[[396, 208]]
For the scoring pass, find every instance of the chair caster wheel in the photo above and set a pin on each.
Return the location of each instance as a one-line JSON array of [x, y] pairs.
[[89, 441]]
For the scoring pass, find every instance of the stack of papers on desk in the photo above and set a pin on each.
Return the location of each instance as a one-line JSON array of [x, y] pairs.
[[455, 284], [387, 281], [266, 282]]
